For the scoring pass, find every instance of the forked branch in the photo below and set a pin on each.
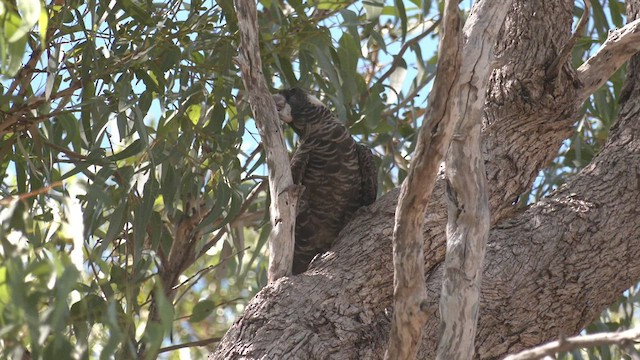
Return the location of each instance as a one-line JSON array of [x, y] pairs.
[[409, 293]]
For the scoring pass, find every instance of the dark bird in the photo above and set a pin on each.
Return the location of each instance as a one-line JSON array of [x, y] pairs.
[[338, 174]]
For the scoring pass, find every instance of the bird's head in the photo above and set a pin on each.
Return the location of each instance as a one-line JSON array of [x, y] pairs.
[[297, 108]]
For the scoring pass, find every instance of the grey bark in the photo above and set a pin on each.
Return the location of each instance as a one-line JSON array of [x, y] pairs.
[[548, 270], [409, 293], [284, 193], [468, 210]]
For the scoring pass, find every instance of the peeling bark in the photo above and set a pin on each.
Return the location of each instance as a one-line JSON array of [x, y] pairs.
[[284, 194], [549, 270], [409, 294], [468, 210]]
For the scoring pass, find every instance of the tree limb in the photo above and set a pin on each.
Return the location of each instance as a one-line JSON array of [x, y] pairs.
[[468, 210], [284, 194], [584, 341], [620, 45], [567, 49], [434, 137]]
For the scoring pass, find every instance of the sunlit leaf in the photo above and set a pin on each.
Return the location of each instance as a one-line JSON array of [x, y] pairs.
[[30, 11], [193, 112], [43, 23], [373, 8]]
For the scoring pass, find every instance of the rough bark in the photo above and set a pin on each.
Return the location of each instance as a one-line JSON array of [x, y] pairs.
[[468, 210], [549, 270], [409, 293], [284, 194]]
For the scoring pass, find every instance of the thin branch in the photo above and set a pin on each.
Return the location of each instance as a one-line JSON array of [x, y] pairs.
[[616, 50], [284, 194], [243, 208], [9, 199], [565, 53], [202, 272], [584, 341], [16, 116], [415, 92], [189, 344], [23, 77], [397, 59]]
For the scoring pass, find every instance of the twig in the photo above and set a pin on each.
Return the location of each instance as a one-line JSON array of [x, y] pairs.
[[583, 341], [245, 205], [189, 344], [398, 57], [9, 199], [200, 273], [415, 92], [565, 53], [16, 116]]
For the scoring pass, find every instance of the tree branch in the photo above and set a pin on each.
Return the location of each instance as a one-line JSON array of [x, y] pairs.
[[469, 219], [616, 50], [584, 341], [284, 194], [434, 137], [567, 49], [397, 59]]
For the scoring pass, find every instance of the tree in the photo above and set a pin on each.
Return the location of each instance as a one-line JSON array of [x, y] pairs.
[[538, 279], [133, 196]]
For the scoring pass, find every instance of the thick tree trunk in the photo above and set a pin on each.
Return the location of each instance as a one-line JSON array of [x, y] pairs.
[[548, 270]]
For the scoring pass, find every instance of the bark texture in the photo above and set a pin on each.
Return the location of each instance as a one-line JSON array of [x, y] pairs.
[[409, 295], [468, 211], [548, 270], [284, 193]]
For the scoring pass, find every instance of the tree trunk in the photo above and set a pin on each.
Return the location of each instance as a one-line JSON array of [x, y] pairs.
[[548, 271]]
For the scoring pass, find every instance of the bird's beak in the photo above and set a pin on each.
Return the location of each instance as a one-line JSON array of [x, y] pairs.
[[280, 100], [284, 110]]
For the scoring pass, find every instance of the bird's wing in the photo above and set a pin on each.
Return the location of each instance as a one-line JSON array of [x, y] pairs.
[[298, 164]]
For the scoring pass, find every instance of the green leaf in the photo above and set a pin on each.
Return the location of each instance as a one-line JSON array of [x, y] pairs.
[[12, 51], [116, 223], [153, 336], [64, 285], [332, 4], [143, 216], [90, 308], [193, 112], [165, 309], [30, 11], [223, 195], [58, 349], [201, 310], [137, 10], [134, 148], [4, 289], [43, 23], [373, 8], [402, 13]]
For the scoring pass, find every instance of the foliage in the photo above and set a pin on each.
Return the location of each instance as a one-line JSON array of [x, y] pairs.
[[126, 142]]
